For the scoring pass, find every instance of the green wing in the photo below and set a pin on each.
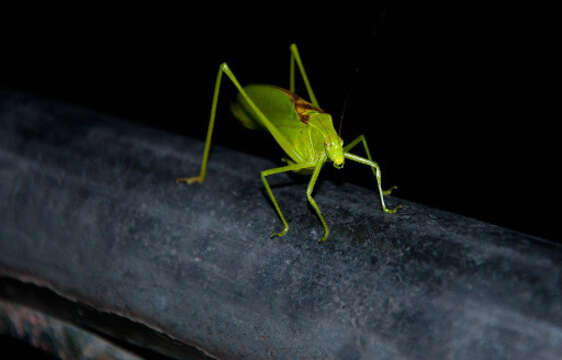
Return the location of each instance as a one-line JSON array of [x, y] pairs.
[[278, 106]]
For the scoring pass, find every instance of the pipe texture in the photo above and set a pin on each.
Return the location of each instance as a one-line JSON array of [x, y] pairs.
[[91, 214]]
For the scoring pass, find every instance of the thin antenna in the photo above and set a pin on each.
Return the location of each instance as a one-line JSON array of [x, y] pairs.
[[353, 78], [347, 99]]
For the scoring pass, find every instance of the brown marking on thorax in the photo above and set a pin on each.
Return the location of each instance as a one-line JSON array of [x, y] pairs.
[[302, 107]]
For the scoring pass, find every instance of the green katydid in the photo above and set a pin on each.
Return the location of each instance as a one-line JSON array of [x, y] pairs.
[[304, 131]]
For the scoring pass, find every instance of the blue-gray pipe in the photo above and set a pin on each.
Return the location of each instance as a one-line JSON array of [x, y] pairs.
[[91, 212]]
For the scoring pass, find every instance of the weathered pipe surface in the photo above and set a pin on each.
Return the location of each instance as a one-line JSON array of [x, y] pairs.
[[90, 209]]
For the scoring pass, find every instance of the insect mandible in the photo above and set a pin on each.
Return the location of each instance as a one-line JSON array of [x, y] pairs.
[[303, 130]]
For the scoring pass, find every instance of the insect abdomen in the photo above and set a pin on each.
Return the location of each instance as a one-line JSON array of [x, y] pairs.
[[272, 101], [243, 116]]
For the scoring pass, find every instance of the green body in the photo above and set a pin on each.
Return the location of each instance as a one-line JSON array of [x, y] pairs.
[[301, 128]]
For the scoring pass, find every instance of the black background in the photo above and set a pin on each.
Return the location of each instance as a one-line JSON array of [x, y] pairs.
[[457, 103]]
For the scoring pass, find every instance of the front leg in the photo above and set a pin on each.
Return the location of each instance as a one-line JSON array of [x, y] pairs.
[[377, 172], [351, 145], [374, 167]]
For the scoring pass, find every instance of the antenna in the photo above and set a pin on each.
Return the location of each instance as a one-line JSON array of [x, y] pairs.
[[348, 92], [353, 79]]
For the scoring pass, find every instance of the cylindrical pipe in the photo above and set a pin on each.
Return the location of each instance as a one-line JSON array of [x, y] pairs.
[[90, 208]]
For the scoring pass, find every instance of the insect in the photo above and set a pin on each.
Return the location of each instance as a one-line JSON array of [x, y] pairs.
[[303, 130]]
